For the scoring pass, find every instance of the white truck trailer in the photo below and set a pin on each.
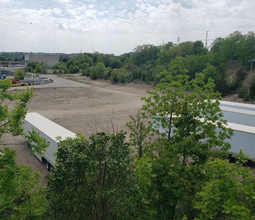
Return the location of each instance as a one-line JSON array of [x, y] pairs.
[[241, 118], [48, 130]]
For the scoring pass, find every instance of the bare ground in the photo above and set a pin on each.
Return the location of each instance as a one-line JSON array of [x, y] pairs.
[[81, 110], [84, 110]]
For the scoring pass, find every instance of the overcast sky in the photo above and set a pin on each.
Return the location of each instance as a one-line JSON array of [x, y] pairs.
[[117, 26]]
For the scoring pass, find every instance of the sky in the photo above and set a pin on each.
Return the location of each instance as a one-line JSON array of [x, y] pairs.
[[117, 26]]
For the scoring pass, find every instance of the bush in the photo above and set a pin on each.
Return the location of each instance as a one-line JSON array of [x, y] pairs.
[[19, 74], [74, 69], [242, 92]]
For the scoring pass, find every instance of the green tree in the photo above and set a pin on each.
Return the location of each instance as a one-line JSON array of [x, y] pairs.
[[228, 193], [74, 69], [198, 48], [21, 196], [94, 179], [194, 124], [98, 71], [36, 67], [11, 119], [145, 53], [245, 49], [2, 58], [140, 132], [115, 63], [211, 72], [19, 74]]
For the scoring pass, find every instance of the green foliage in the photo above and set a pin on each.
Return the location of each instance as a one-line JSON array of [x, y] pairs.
[[60, 66], [73, 69], [198, 48], [242, 92], [98, 71], [38, 143], [147, 61], [2, 58], [229, 192], [191, 112], [19, 74], [21, 196], [17, 56], [11, 118], [140, 132], [115, 63], [194, 124], [94, 179], [144, 54], [212, 72], [36, 67], [252, 89]]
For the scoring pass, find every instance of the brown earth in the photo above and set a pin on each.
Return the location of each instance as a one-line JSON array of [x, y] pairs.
[[81, 110]]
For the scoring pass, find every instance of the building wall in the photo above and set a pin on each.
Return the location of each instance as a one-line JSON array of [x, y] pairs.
[[49, 59]]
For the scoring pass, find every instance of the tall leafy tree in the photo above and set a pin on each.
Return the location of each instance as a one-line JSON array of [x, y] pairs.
[[186, 112], [140, 132], [93, 179]]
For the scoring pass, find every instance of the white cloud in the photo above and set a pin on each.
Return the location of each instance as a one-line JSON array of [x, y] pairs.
[[123, 23], [61, 27], [22, 32], [64, 1]]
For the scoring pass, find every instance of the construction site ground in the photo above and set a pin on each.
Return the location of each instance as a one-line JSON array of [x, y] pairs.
[[100, 106], [80, 109]]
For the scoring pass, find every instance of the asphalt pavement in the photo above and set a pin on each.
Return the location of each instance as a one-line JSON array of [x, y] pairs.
[[57, 82]]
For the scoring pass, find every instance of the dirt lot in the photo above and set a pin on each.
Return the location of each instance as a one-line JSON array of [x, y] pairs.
[[83, 110]]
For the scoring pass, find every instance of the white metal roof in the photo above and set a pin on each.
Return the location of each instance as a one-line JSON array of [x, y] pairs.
[[238, 110], [48, 127], [242, 128], [237, 105]]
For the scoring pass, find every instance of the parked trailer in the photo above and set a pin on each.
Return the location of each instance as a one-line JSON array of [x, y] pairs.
[[241, 118], [243, 138], [48, 130]]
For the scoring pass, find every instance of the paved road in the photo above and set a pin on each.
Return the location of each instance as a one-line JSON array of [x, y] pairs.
[[58, 82]]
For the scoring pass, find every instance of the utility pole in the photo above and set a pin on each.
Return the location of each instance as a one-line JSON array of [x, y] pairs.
[[163, 42], [250, 76], [206, 38], [178, 40]]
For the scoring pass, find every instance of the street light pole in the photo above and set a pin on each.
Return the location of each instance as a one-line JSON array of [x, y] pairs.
[[250, 77]]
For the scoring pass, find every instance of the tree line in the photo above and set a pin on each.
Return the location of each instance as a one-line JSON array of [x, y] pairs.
[[147, 61], [177, 173]]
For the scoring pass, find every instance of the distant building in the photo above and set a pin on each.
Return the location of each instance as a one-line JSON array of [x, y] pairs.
[[11, 63], [48, 59]]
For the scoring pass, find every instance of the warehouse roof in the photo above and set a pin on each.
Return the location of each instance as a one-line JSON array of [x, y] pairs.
[[242, 128], [238, 110], [237, 105], [48, 127]]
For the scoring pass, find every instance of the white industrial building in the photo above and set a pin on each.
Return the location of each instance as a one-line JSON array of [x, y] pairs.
[[49, 59]]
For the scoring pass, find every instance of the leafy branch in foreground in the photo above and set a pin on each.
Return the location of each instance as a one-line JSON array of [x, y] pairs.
[[11, 118], [21, 196]]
